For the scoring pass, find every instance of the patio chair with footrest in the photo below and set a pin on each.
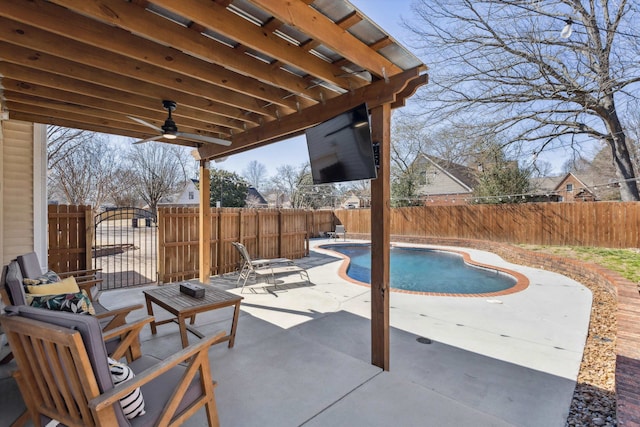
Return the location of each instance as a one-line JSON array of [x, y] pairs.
[[86, 280], [268, 268], [64, 374]]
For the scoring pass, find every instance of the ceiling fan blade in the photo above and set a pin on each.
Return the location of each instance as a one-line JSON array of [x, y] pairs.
[[142, 122], [155, 138], [204, 138]]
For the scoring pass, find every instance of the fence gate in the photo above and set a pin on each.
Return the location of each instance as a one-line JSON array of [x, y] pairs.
[[125, 247]]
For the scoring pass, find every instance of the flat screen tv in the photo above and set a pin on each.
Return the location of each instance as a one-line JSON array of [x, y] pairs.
[[340, 149]]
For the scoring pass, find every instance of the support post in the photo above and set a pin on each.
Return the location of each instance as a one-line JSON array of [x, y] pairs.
[[205, 223], [380, 238]]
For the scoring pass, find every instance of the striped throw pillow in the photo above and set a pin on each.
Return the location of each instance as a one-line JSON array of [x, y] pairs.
[[133, 403]]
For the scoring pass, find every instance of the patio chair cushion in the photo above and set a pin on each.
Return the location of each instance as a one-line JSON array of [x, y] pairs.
[[29, 265], [133, 403], [158, 391], [65, 286], [76, 302], [91, 334], [13, 282]]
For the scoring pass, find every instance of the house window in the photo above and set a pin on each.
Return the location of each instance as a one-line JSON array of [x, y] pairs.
[[569, 188], [190, 195]]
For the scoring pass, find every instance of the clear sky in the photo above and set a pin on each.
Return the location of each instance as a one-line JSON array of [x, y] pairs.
[[388, 15]]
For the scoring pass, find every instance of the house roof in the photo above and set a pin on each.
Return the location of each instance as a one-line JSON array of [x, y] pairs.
[[250, 72], [545, 183], [255, 194], [464, 175]]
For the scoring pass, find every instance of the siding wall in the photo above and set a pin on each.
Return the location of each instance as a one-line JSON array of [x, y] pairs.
[[16, 189], [438, 182]]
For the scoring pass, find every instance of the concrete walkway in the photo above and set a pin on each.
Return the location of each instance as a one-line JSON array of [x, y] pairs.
[[302, 353]]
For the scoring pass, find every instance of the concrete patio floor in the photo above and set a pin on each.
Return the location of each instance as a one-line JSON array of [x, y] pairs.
[[302, 353]]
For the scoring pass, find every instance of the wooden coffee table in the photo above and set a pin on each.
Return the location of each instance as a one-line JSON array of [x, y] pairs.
[[183, 306]]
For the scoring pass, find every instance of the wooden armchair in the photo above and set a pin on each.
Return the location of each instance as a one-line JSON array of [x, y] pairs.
[[86, 280], [63, 374], [12, 293]]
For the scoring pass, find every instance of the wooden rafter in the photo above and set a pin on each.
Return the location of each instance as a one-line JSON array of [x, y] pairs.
[[299, 15]]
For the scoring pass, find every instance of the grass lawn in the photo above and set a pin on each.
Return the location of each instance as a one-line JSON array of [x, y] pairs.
[[626, 262]]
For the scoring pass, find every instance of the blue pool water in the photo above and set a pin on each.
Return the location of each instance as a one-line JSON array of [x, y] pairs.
[[426, 270]]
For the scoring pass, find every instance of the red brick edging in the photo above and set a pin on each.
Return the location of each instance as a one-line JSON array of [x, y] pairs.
[[627, 371]]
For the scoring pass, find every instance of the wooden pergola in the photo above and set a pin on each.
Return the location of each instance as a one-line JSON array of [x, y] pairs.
[[248, 72]]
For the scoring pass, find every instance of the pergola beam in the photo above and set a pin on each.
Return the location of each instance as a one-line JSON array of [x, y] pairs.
[[21, 78], [375, 94]]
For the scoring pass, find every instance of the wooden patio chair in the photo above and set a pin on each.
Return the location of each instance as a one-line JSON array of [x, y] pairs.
[[268, 268], [87, 281], [63, 374], [12, 293]]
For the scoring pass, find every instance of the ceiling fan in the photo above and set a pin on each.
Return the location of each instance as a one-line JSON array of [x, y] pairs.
[[169, 130]]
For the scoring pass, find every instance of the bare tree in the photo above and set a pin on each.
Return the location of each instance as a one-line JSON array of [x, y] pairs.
[[290, 181], [158, 170], [122, 193], [506, 60], [84, 174], [61, 142], [256, 174]]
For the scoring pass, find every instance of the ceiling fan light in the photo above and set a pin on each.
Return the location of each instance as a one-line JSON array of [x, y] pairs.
[[169, 129]]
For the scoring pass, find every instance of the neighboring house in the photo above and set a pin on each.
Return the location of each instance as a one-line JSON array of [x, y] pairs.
[[255, 199], [351, 202], [444, 182], [278, 200], [572, 188], [190, 196]]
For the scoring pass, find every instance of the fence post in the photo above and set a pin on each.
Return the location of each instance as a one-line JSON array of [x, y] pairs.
[[219, 257], [89, 237], [280, 232], [160, 254], [258, 234]]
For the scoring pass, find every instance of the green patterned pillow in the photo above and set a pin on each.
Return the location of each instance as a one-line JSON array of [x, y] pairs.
[[77, 302], [48, 277]]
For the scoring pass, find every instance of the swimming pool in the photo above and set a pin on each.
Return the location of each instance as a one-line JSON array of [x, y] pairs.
[[427, 270]]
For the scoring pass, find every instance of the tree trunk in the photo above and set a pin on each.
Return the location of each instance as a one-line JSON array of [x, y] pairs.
[[621, 158]]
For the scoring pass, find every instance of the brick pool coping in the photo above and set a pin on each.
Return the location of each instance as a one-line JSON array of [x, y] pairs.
[[627, 371]]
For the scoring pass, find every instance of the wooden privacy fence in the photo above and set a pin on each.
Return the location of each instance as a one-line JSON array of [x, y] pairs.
[[267, 233], [603, 224], [70, 230]]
